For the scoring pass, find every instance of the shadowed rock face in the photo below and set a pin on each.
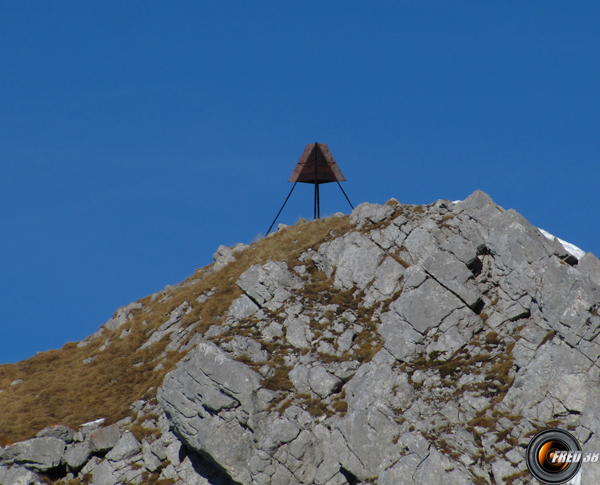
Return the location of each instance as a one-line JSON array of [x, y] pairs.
[[426, 345], [487, 332]]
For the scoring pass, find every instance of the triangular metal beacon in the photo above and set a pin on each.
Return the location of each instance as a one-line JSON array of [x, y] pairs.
[[316, 166]]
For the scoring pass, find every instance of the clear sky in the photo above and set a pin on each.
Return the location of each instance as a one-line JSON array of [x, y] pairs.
[[136, 137]]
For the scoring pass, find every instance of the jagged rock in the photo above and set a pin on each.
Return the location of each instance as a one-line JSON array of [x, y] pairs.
[[355, 258], [127, 447], [122, 316], [269, 284], [370, 212], [298, 332], [104, 439], [247, 347], [205, 383], [105, 474], [222, 257], [464, 331], [322, 382], [58, 431], [426, 305], [490, 258], [454, 275], [18, 475], [37, 453], [243, 307], [86, 429], [77, 455], [589, 265], [170, 326]]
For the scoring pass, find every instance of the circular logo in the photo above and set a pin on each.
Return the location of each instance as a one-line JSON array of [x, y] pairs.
[[553, 456]]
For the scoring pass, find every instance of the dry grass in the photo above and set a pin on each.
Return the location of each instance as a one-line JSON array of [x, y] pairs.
[[547, 338], [58, 388]]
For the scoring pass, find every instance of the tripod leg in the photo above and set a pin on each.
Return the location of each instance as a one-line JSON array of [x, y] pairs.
[[271, 226], [318, 203], [346, 196]]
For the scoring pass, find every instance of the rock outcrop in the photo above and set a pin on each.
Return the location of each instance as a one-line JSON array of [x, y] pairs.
[[425, 345]]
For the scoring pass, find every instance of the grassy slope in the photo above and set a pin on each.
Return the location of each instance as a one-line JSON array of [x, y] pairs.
[[58, 388]]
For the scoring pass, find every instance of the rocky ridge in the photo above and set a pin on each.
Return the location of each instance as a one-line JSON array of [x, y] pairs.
[[421, 344]]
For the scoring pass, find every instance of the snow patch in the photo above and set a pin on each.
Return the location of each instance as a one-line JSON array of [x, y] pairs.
[[570, 248]]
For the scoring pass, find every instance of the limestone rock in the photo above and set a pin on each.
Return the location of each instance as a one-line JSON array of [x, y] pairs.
[[58, 431], [18, 475], [127, 447], [269, 282], [122, 316], [104, 439], [206, 383], [37, 453], [77, 455], [450, 333], [243, 307]]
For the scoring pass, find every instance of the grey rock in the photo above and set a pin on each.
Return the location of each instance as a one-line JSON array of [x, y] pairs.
[[422, 241], [173, 452], [322, 382], [247, 347], [208, 374], [104, 439], [400, 338], [38, 453], [298, 333], [272, 331], [122, 316], [58, 431], [589, 265], [86, 429], [358, 263], [222, 257], [386, 282], [243, 307], [261, 283], [18, 475], [170, 326], [462, 248], [127, 447], [344, 341], [530, 358], [370, 212], [299, 377], [105, 474], [426, 306], [159, 449], [387, 275], [77, 455], [284, 430], [151, 462], [453, 275]]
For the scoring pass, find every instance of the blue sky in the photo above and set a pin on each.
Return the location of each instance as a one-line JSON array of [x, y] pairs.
[[136, 137]]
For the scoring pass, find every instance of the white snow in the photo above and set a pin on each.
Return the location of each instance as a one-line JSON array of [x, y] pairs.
[[570, 248], [98, 421]]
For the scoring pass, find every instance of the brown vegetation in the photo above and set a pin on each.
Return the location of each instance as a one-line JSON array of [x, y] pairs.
[[58, 387]]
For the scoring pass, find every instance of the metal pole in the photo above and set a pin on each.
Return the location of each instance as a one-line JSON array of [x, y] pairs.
[[345, 196], [316, 180], [271, 226], [318, 202]]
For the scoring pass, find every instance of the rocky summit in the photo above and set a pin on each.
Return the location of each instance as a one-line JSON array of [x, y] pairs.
[[399, 345]]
